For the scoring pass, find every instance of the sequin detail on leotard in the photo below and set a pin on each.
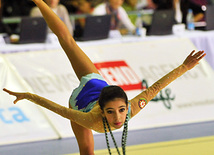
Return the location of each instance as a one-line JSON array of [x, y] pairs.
[[85, 96]]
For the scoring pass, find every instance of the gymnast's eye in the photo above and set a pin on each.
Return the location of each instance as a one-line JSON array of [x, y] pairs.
[[109, 112], [122, 110]]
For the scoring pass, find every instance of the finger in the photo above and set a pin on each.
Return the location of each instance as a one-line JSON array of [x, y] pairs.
[[15, 101], [197, 54], [199, 58], [10, 92], [6, 90], [202, 54], [192, 52]]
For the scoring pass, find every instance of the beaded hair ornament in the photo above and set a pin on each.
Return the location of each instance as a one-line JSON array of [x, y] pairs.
[[124, 136]]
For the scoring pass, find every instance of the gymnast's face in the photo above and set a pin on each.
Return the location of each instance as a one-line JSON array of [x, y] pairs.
[[115, 112]]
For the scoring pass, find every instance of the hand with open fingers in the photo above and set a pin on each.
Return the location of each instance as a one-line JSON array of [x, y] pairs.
[[19, 96], [193, 59]]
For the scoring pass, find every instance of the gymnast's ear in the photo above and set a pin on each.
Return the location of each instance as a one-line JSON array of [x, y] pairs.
[[102, 112]]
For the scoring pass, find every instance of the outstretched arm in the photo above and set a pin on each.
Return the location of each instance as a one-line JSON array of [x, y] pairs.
[[141, 100], [79, 117], [80, 62]]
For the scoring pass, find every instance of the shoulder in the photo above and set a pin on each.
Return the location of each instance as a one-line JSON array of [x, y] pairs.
[[102, 5], [62, 11], [100, 9], [61, 8], [96, 111], [35, 8], [96, 116], [122, 10], [35, 12]]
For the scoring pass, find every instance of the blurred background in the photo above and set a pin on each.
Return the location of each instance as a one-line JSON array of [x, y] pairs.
[[151, 37]]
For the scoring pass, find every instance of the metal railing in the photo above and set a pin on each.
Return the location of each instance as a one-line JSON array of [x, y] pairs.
[[13, 20]]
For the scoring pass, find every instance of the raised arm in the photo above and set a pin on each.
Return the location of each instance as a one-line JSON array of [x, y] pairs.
[[141, 100]]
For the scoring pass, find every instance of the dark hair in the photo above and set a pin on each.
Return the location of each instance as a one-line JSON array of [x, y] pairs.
[[109, 93]]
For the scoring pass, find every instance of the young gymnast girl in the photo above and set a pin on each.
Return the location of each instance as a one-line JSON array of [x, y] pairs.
[[95, 105]]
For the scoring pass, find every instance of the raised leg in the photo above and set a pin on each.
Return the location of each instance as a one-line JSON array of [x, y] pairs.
[[80, 62]]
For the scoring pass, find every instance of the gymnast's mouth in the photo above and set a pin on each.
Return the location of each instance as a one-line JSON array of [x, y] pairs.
[[118, 124]]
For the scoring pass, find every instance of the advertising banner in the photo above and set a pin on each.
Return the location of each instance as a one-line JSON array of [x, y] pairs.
[[188, 99], [134, 67], [22, 122], [50, 75]]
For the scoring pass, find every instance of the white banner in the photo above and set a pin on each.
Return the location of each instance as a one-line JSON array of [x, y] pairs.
[[188, 99], [50, 75], [23, 122]]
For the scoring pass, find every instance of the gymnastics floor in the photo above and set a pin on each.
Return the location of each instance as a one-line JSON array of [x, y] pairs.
[[194, 146], [186, 139]]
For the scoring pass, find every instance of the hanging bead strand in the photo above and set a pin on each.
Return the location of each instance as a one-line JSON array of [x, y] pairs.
[[112, 136], [124, 136], [106, 135]]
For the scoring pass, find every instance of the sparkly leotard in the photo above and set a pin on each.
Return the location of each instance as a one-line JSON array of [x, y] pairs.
[[85, 96], [93, 118]]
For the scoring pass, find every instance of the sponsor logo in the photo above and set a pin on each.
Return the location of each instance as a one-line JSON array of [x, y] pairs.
[[119, 73], [13, 115]]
